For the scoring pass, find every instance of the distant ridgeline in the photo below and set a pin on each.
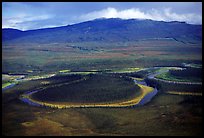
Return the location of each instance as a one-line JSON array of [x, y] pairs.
[[107, 30]]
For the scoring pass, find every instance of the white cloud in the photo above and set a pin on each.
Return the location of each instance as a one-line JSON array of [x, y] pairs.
[[26, 21], [13, 22], [189, 18], [164, 14]]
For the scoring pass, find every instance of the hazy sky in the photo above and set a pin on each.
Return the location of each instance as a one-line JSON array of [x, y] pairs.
[[34, 15]]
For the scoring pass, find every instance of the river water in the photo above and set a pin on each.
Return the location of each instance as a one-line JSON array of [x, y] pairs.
[[15, 81], [147, 97], [143, 101], [27, 100], [9, 86]]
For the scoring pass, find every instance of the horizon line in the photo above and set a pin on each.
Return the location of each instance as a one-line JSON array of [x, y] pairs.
[[99, 19]]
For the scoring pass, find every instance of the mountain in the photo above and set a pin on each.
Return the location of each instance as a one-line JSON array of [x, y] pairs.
[[9, 34], [108, 30]]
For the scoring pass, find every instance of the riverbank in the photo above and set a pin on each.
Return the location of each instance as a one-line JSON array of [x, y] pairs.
[[139, 100]]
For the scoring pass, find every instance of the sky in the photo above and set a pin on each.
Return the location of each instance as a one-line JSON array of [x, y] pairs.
[[36, 15]]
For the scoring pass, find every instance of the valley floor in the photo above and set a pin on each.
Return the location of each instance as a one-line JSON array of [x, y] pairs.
[[168, 113]]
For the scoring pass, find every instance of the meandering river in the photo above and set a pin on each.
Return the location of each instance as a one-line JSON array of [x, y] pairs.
[[147, 98]]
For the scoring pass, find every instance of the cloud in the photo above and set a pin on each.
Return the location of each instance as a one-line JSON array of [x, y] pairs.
[[164, 14], [34, 16], [13, 22]]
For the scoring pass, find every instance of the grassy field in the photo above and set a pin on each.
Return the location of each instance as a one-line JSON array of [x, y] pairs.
[[166, 114], [125, 70], [55, 57], [169, 77], [63, 71]]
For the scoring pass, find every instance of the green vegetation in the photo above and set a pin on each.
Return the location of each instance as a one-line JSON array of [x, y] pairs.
[[169, 77], [189, 72], [30, 71], [6, 84], [96, 88], [166, 109], [133, 101], [63, 71], [55, 57], [126, 70], [185, 93], [166, 114], [82, 72], [170, 111], [187, 75]]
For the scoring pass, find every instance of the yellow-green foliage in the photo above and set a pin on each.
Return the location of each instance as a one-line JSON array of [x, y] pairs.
[[11, 77], [93, 70], [6, 84], [185, 93], [138, 79], [30, 71], [63, 71], [126, 70], [39, 77], [82, 73]]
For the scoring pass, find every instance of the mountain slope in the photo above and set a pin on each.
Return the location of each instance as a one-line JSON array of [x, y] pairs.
[[108, 30], [9, 34]]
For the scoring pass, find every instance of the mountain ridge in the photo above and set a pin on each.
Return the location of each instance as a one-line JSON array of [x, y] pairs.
[[109, 30]]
